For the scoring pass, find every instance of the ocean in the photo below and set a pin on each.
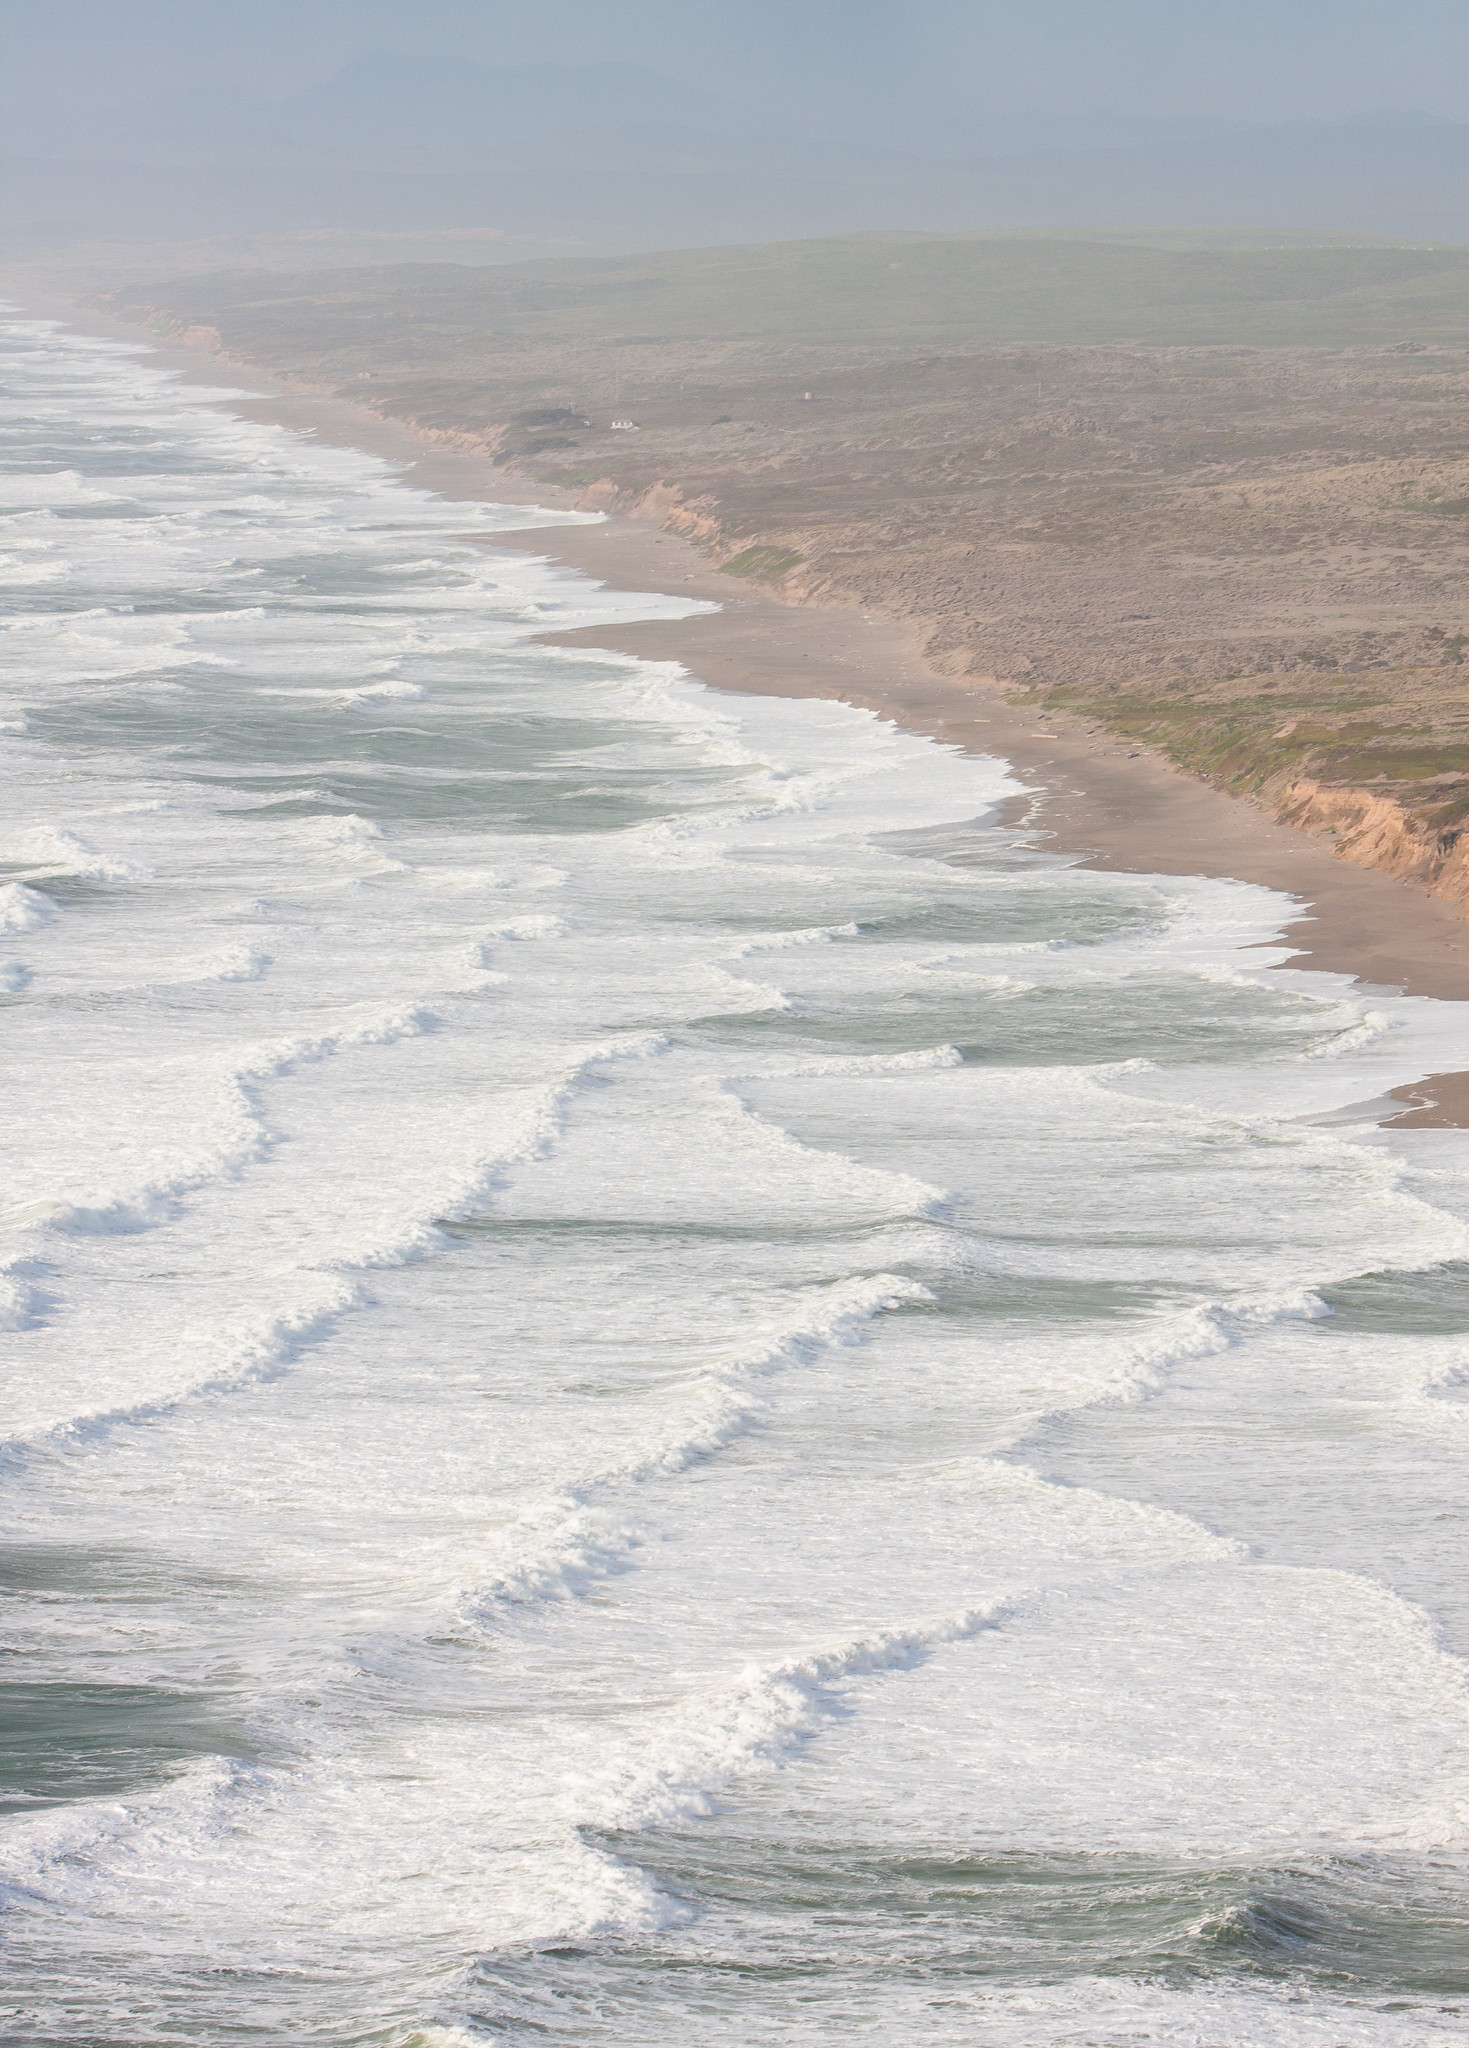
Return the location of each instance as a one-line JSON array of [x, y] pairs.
[[666, 1384]]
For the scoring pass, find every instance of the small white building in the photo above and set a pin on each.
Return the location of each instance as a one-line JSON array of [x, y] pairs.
[[624, 426]]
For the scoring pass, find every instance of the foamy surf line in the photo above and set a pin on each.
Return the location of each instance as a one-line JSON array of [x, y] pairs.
[[634, 1329]]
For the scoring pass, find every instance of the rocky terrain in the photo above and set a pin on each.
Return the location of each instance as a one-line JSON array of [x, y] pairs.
[[1238, 533]]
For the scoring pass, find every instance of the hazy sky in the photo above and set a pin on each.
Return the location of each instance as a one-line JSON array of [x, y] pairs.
[[1256, 59], [618, 124]]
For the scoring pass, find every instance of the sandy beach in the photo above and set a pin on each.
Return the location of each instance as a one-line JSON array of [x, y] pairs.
[[1108, 804]]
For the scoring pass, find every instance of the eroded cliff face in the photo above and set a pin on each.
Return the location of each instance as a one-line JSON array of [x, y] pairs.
[[479, 441], [1375, 831], [664, 505]]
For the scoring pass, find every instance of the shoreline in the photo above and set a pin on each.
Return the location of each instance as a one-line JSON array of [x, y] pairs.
[[1096, 799]]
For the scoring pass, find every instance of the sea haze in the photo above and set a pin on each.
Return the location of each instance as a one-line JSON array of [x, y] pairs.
[[664, 1385], [568, 158]]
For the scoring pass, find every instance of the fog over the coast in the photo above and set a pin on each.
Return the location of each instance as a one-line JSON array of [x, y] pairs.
[[570, 127]]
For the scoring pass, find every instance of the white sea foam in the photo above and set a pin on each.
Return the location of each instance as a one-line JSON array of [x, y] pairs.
[[24, 909], [558, 1548], [756, 1721]]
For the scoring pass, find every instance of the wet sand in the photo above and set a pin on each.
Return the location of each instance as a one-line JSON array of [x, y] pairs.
[[1108, 804], [1439, 1102]]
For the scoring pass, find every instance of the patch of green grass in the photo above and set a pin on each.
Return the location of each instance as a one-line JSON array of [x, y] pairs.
[[1240, 743], [1450, 816], [762, 563], [551, 416], [1399, 764]]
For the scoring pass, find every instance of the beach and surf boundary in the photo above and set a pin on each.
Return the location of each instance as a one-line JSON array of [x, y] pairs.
[[1092, 796]]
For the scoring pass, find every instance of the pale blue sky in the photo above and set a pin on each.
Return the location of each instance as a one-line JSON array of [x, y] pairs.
[[614, 124], [871, 59]]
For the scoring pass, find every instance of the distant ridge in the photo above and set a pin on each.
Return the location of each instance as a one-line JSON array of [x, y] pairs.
[[1242, 288]]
